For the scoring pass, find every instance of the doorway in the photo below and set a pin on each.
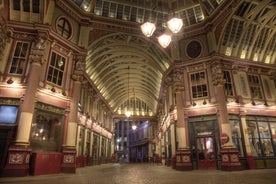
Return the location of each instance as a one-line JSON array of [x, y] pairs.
[[206, 157]]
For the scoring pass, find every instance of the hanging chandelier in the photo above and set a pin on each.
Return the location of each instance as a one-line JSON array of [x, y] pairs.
[[174, 25], [128, 113]]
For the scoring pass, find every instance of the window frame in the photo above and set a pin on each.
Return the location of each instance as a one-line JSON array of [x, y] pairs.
[[61, 30], [260, 137], [237, 134], [199, 85], [228, 83], [255, 85], [40, 140], [55, 69], [19, 58]]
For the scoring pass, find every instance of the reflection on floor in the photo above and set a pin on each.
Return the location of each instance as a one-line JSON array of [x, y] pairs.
[[148, 174]]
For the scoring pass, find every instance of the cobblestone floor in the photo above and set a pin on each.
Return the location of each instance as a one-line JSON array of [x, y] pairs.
[[148, 174]]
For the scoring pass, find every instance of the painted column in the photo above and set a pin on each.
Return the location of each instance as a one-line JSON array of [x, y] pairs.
[[69, 149], [100, 150], [113, 143], [129, 150], [229, 154], [78, 147], [173, 147], [19, 153], [158, 150], [91, 147], [163, 149], [248, 148], [85, 156], [183, 153]]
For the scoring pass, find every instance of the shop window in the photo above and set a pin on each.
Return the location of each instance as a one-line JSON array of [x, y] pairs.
[[255, 87], [87, 151], [56, 69], [236, 136], [64, 28], [95, 147], [46, 132], [273, 134], [109, 149], [199, 85], [228, 84], [81, 142], [260, 138], [19, 58], [103, 148]]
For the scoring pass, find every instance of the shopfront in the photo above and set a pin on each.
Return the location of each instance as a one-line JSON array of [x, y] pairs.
[[261, 131], [204, 142], [46, 139]]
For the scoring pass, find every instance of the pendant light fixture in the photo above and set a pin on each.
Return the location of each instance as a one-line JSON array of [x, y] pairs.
[[128, 113], [174, 25]]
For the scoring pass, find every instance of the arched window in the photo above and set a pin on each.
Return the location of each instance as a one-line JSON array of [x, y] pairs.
[[64, 28]]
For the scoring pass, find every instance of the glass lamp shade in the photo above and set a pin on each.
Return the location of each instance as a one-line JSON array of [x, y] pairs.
[[134, 127], [128, 113], [175, 25], [164, 40], [148, 29]]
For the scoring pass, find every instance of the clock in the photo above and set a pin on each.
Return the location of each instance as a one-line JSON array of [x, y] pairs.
[[194, 49]]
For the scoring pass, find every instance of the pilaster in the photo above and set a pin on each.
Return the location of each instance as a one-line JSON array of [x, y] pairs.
[[68, 164], [249, 155], [229, 154], [183, 154]]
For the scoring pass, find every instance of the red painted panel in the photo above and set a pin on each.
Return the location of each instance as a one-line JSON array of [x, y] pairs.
[[45, 163]]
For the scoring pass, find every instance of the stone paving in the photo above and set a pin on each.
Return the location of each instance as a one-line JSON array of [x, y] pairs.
[[148, 174]]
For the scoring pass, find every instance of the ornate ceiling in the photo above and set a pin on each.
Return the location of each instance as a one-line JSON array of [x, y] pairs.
[[247, 32], [127, 70]]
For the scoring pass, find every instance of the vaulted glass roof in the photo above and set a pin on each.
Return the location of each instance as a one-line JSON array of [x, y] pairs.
[[247, 32]]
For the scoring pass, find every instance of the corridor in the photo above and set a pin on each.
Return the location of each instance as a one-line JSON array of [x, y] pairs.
[[148, 174]]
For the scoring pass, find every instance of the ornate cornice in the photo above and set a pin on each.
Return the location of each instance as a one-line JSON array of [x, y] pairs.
[[3, 35]]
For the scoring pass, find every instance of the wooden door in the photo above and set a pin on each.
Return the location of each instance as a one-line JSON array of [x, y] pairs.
[[205, 153]]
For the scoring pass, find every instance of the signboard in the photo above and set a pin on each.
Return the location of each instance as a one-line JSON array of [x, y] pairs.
[[224, 138]]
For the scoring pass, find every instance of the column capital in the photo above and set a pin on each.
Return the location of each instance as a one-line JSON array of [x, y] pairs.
[[175, 76], [79, 67], [77, 76], [37, 52], [179, 88], [79, 60], [37, 58], [217, 73], [218, 80]]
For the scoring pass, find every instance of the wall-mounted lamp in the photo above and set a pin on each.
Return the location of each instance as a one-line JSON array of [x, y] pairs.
[[204, 102], [10, 81], [134, 127], [53, 89], [253, 102], [194, 104], [265, 103], [238, 99], [64, 93]]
